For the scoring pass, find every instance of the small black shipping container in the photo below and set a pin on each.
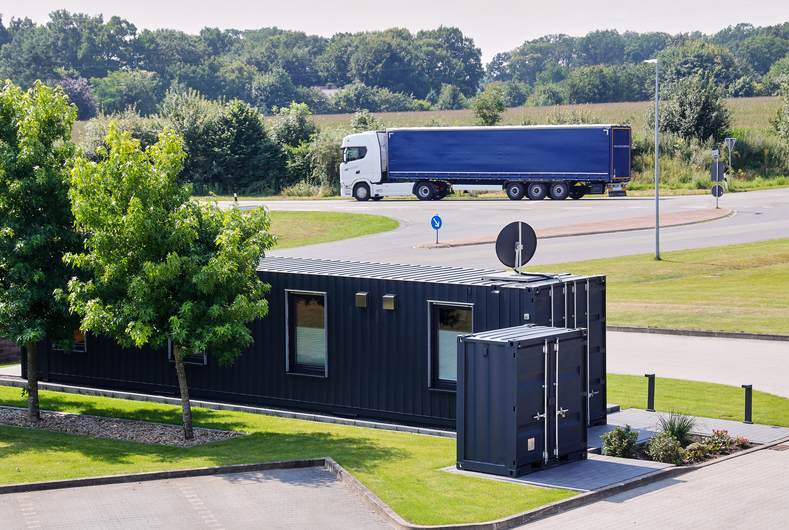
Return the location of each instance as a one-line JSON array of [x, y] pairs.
[[521, 399], [375, 340]]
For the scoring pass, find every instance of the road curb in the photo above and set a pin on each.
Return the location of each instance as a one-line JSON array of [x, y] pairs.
[[479, 241], [158, 475], [699, 333]]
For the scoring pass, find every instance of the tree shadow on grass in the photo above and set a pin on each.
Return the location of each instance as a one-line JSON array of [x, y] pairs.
[[118, 456]]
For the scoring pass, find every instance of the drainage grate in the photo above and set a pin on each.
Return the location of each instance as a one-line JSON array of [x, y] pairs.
[[780, 447]]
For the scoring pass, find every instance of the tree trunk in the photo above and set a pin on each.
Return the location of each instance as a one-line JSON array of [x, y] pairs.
[[33, 413], [185, 404]]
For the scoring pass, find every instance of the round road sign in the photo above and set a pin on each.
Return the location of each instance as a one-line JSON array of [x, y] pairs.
[[717, 190]]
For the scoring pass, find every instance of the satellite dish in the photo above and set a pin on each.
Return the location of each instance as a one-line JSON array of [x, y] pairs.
[[516, 240]]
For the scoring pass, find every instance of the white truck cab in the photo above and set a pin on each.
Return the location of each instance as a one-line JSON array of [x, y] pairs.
[[363, 168]]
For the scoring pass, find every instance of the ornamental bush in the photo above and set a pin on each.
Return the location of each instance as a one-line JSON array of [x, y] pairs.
[[664, 447], [620, 442]]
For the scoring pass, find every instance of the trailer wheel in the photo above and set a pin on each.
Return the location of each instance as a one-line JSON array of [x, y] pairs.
[[536, 191], [576, 192], [559, 191], [515, 191], [361, 192], [424, 191]]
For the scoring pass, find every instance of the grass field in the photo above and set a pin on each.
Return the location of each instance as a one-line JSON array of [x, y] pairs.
[[297, 229], [746, 113], [732, 288], [706, 400], [402, 469]]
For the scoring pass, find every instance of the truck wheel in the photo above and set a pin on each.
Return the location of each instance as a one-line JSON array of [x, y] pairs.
[[424, 191], [576, 192], [515, 191], [536, 191], [361, 192], [559, 191]]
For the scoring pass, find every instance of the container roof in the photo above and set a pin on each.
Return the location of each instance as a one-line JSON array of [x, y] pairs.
[[400, 272]]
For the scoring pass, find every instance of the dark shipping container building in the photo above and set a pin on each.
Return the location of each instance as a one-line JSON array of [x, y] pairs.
[[371, 340]]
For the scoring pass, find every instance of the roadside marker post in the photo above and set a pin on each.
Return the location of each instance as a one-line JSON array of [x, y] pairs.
[[435, 222]]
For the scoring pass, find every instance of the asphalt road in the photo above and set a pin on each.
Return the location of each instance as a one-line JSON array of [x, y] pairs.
[[759, 216]]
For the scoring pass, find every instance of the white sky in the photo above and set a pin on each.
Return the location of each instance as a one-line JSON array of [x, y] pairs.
[[495, 25]]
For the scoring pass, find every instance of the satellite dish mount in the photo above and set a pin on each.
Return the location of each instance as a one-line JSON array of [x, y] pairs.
[[515, 245]]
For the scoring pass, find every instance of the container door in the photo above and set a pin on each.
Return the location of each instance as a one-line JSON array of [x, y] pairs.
[[533, 393], [621, 153], [569, 374]]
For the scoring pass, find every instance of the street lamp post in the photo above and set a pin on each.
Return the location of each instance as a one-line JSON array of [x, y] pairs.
[[657, 167]]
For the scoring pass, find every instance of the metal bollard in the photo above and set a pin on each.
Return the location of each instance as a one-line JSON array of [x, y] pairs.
[[748, 404], [651, 393]]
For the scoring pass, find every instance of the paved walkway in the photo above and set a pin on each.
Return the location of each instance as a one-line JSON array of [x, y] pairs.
[[305, 499], [743, 492], [761, 363]]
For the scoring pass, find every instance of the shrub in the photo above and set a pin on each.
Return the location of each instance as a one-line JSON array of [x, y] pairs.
[[301, 189], [720, 442], [696, 452], [664, 447], [742, 442], [620, 442], [677, 425]]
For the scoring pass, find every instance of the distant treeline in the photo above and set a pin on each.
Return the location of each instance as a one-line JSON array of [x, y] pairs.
[[110, 66]]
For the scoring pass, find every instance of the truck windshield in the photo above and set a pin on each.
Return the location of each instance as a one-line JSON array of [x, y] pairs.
[[349, 154]]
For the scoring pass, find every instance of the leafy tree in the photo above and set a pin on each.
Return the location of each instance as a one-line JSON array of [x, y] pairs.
[[546, 95], [451, 98], [29, 56], [325, 155], [36, 223], [693, 108], [601, 47], [80, 94], [449, 57], [698, 56], [165, 268], [779, 72], [781, 120], [760, 52], [642, 46], [293, 125], [355, 97], [275, 89], [314, 99], [488, 107], [136, 88], [364, 121], [145, 130]]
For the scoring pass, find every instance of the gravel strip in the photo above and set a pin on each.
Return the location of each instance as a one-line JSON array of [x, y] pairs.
[[130, 430]]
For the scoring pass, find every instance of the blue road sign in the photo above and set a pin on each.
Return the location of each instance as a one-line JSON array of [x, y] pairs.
[[435, 222]]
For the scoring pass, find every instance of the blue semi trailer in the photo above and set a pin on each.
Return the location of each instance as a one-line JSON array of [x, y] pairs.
[[557, 161]]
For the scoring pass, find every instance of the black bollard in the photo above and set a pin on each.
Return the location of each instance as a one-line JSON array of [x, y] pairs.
[[651, 393], [748, 404]]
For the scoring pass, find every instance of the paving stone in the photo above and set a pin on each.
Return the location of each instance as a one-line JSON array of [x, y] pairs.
[[308, 498], [744, 492]]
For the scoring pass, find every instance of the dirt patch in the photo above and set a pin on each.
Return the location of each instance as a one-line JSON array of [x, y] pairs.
[[129, 430]]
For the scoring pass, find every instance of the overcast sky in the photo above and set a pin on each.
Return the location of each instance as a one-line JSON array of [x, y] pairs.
[[495, 25]]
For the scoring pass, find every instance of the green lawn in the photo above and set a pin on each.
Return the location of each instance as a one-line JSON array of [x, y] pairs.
[[707, 400], [297, 229], [9, 364], [402, 469], [732, 288]]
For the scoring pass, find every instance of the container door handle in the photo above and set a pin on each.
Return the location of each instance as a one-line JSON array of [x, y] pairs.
[[561, 411]]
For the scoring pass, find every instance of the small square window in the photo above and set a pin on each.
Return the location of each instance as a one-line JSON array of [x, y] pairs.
[[447, 321], [200, 359], [306, 333], [80, 343]]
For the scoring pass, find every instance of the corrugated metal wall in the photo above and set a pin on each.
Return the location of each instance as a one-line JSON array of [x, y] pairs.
[[377, 359]]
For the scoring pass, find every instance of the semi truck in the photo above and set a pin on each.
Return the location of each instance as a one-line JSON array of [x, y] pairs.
[[557, 161]]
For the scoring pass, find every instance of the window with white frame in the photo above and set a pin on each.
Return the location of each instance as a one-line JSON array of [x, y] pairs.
[[447, 321], [306, 333]]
